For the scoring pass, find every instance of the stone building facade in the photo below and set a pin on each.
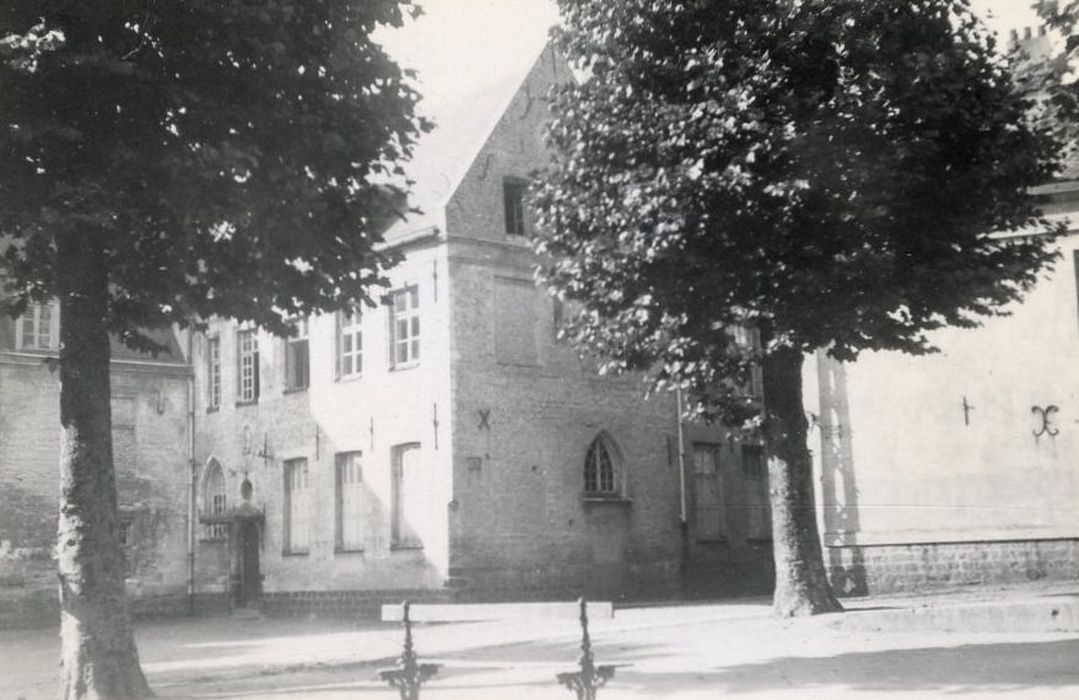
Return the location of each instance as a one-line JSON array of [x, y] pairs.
[[151, 439], [444, 443], [960, 467]]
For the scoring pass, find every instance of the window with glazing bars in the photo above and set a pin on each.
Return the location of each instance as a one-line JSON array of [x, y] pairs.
[[405, 326], [599, 469], [707, 492], [213, 372], [215, 501], [349, 501], [247, 360], [297, 525], [37, 328], [349, 344]]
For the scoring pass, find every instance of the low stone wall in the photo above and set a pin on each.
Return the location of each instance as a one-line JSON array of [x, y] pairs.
[[872, 569], [41, 608], [29, 608]]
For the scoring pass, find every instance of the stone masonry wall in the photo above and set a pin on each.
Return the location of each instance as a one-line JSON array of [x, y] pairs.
[[371, 413], [150, 444], [957, 467], [526, 409]]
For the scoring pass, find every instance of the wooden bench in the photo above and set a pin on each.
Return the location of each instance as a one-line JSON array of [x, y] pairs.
[[491, 612]]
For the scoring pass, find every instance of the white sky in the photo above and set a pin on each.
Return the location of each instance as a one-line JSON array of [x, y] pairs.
[[1002, 15], [461, 45]]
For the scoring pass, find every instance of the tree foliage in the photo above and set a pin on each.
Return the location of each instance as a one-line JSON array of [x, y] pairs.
[[1048, 71], [165, 162], [231, 158], [834, 173], [829, 172]]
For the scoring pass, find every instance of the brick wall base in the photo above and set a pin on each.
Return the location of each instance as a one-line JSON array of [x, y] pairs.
[[338, 604], [662, 579], [161, 607], [857, 570]]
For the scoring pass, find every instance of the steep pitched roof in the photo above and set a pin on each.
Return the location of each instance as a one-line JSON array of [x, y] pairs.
[[463, 123], [172, 354]]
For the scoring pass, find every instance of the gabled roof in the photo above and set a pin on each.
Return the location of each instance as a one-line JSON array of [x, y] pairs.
[[441, 157]]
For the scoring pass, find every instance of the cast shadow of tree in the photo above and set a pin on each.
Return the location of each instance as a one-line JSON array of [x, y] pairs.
[[969, 668]]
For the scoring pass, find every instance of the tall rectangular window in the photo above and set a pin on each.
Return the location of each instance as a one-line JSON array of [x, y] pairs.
[[213, 373], [38, 328], [215, 501], [513, 202], [297, 359], [247, 361], [405, 326], [707, 492], [297, 512], [407, 491], [349, 503], [349, 344], [758, 510]]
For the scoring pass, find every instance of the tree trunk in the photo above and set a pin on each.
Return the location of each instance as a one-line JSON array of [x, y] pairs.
[[801, 582], [98, 658]]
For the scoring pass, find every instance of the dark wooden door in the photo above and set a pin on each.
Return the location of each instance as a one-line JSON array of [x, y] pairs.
[[250, 577]]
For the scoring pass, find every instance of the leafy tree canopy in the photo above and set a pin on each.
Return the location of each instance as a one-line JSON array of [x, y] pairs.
[[830, 172], [231, 158], [1048, 68]]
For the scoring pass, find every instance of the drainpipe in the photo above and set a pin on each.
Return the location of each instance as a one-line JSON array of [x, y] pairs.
[[683, 520], [193, 490]]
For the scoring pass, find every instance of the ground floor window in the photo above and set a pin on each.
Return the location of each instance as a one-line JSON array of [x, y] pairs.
[[601, 468], [707, 493], [755, 473], [297, 514], [349, 501], [215, 501], [408, 486]]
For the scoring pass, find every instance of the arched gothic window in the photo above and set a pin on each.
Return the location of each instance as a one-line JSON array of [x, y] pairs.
[[215, 500], [601, 467]]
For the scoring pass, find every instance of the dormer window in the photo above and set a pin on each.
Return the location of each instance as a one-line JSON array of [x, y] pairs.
[[513, 199]]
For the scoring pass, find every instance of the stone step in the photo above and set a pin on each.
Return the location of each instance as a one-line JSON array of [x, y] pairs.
[[1048, 613]]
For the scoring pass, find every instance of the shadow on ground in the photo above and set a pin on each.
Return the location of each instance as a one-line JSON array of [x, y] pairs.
[[966, 669], [970, 668]]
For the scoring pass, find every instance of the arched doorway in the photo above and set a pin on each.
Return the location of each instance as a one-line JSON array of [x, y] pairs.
[[238, 528], [247, 545]]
